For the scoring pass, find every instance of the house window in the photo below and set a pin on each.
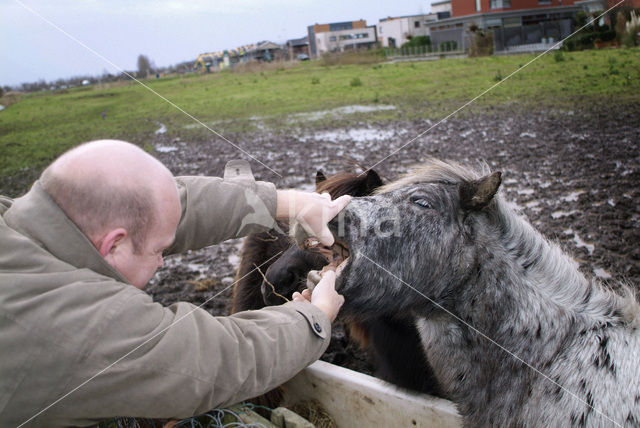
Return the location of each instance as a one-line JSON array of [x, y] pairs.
[[500, 4], [332, 38], [478, 8], [416, 24]]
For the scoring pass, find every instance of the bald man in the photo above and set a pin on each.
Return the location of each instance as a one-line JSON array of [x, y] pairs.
[[82, 342]]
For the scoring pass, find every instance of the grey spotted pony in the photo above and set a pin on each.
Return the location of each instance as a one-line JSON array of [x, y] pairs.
[[515, 334]]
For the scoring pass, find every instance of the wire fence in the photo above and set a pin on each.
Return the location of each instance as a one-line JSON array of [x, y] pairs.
[[448, 47]]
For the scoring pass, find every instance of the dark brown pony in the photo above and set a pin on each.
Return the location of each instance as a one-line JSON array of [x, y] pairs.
[[392, 342], [262, 250]]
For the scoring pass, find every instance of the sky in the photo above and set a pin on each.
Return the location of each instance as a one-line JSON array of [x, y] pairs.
[[167, 31]]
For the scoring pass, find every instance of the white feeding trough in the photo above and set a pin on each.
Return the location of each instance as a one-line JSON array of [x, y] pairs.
[[355, 399]]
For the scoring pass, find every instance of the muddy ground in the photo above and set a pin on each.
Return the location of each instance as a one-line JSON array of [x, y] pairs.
[[574, 174]]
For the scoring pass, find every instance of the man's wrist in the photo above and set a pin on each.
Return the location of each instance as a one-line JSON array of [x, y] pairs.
[[284, 203]]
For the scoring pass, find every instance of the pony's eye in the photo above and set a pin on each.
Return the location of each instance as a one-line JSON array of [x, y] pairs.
[[421, 201]]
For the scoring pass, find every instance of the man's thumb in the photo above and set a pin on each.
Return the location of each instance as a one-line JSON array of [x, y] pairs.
[[329, 277]]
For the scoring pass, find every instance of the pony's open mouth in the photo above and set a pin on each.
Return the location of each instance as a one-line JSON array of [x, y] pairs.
[[337, 255]]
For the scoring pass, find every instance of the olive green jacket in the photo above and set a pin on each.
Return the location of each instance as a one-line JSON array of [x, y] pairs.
[[78, 344]]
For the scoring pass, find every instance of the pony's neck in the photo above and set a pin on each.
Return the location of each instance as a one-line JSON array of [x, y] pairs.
[[530, 271]]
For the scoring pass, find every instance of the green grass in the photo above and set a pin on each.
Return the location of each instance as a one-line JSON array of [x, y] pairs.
[[40, 126]]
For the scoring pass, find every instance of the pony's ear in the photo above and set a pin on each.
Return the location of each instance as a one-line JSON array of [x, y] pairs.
[[373, 181], [475, 195], [320, 177]]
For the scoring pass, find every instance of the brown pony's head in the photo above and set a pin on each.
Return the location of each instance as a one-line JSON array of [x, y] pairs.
[[289, 272]]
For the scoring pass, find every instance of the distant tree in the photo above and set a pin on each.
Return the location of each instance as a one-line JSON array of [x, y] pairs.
[[1, 92], [40, 85], [144, 65]]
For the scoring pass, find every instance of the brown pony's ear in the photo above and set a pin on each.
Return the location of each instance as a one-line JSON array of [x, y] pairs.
[[320, 177], [475, 195], [373, 181]]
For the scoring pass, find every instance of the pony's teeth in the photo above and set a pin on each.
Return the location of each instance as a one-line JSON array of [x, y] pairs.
[[341, 266]]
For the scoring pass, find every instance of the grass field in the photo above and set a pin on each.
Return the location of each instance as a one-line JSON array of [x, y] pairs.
[[38, 127]]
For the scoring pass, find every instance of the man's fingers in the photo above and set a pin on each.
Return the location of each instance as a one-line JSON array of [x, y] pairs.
[[341, 202], [326, 237], [314, 215], [337, 205], [305, 296], [297, 297]]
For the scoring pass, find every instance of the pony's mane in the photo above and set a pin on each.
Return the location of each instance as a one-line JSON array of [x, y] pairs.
[[344, 183], [435, 170]]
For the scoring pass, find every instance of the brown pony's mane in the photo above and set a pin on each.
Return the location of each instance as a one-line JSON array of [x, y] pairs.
[[345, 183]]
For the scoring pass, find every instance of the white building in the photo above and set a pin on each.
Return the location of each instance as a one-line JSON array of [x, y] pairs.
[[393, 32], [441, 8], [340, 36]]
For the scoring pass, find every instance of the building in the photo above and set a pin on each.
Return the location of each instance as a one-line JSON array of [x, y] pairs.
[[264, 51], [297, 48], [261, 51], [442, 9], [340, 36], [515, 24], [395, 31]]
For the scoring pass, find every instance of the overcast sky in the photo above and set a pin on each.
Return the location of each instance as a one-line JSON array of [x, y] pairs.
[[167, 31]]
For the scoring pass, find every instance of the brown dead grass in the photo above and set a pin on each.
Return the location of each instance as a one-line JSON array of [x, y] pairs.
[[11, 97], [371, 56], [205, 284]]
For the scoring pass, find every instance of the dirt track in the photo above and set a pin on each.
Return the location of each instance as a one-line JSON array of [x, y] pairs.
[[574, 175]]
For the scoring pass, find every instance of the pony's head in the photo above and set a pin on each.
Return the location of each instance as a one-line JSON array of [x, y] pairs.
[[420, 231]]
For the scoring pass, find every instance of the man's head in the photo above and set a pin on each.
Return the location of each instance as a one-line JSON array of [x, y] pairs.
[[123, 199]]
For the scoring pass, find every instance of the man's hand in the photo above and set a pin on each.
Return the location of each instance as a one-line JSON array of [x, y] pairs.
[[311, 210], [324, 295]]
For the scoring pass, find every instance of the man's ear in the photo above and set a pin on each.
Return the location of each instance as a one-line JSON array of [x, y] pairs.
[[110, 241]]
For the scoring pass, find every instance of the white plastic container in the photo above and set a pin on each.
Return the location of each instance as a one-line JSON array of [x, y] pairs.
[[354, 399]]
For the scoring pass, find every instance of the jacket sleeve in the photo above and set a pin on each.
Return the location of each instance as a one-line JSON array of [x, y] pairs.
[[179, 361], [215, 209], [5, 203]]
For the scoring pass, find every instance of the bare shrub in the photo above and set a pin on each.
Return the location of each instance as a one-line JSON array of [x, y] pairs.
[[481, 42]]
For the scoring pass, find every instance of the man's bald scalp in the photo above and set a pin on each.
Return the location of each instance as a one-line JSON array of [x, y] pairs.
[[108, 184]]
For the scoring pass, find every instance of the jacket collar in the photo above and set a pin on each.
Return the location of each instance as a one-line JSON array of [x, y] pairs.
[[38, 217]]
